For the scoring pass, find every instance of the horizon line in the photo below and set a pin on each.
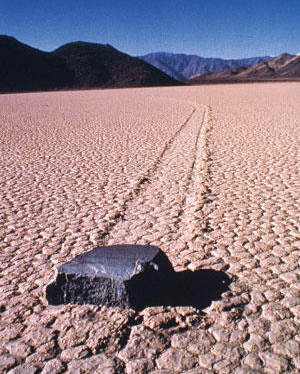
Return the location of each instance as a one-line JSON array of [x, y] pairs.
[[151, 52]]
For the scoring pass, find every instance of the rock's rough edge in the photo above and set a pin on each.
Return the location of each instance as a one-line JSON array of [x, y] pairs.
[[139, 284]]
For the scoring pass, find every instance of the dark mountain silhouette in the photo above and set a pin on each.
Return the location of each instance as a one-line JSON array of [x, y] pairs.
[[182, 66], [282, 67], [98, 65], [23, 68], [74, 65]]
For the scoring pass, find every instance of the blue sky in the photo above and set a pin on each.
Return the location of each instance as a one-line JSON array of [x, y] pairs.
[[209, 28]]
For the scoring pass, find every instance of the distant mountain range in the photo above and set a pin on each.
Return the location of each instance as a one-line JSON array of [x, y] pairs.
[[74, 65], [90, 65], [282, 67], [182, 67]]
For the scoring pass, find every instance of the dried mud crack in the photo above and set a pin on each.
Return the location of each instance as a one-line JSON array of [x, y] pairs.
[[208, 174]]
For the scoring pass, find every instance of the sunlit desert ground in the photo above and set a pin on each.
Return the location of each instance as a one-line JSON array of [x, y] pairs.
[[208, 174]]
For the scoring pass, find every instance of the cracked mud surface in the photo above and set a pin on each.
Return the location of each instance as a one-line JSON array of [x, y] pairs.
[[208, 174]]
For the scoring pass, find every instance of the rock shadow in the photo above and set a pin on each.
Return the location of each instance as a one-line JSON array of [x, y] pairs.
[[133, 276], [185, 288]]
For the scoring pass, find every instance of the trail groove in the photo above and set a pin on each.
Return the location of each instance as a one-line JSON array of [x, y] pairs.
[[143, 183], [157, 215]]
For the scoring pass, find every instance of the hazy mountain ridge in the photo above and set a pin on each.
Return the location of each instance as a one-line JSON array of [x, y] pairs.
[[182, 66], [284, 66], [73, 65]]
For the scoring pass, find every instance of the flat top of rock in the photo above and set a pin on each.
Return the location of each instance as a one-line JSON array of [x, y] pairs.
[[119, 262]]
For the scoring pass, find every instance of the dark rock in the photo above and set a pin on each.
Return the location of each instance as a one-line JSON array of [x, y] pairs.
[[128, 276]]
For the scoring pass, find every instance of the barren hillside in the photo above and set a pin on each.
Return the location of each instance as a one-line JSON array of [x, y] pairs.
[[282, 67], [73, 65]]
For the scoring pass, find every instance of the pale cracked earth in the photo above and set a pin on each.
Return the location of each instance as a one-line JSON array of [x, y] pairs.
[[208, 174]]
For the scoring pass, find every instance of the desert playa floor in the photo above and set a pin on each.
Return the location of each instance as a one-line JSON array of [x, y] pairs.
[[208, 174]]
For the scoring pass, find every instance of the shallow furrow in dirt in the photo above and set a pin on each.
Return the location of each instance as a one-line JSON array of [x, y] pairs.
[[141, 186], [156, 215]]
